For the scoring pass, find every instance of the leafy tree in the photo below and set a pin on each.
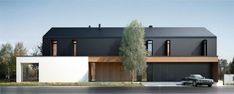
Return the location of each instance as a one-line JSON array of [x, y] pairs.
[[3, 71], [132, 49], [223, 68], [5, 53], [232, 66], [5, 59], [19, 50]]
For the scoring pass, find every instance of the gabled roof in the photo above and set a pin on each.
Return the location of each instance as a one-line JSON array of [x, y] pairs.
[[85, 32]]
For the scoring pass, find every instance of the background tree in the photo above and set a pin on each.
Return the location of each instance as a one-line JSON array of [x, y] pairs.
[[223, 68], [37, 51], [232, 66], [5, 59], [19, 50], [132, 49]]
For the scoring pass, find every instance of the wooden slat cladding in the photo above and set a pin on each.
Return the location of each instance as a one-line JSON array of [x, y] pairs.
[[110, 72], [215, 71], [104, 59], [171, 59]]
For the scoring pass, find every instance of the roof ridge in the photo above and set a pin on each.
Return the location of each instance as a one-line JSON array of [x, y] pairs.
[[117, 32]]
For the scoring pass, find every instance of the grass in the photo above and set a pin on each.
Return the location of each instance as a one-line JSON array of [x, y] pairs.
[[96, 84]]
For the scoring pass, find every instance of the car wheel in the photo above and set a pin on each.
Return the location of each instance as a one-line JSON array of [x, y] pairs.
[[194, 83], [210, 85]]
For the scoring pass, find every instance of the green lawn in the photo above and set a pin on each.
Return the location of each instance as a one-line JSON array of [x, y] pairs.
[[101, 84]]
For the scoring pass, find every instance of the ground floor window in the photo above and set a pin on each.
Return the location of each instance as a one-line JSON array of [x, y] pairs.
[[30, 72]]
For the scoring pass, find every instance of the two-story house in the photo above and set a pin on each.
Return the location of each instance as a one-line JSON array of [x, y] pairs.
[[174, 52]]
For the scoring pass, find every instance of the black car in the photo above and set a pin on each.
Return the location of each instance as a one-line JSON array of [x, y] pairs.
[[197, 79]]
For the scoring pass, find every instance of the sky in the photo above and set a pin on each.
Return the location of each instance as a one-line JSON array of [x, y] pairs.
[[28, 20]]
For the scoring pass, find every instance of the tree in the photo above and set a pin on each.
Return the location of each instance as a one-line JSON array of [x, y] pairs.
[[5, 53], [5, 59], [3, 71], [132, 49], [37, 51], [232, 66], [223, 68], [19, 50]]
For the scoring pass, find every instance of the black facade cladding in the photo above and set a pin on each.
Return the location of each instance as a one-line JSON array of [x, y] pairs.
[[185, 41], [176, 71]]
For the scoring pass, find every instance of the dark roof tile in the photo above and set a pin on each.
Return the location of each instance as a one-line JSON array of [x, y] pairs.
[[85, 32]]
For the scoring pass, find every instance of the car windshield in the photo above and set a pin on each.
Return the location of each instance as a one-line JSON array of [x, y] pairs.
[[198, 76]]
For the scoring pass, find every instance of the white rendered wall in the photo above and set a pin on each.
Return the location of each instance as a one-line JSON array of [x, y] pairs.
[[57, 69], [228, 79]]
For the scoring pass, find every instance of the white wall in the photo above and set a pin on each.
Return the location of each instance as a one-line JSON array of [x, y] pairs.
[[57, 69], [228, 79]]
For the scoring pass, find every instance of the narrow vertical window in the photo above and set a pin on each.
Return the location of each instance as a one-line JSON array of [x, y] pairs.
[[149, 47], [205, 47], [54, 48], [168, 45], [74, 43]]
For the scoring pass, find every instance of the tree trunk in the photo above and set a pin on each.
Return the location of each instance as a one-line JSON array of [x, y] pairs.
[[133, 75]]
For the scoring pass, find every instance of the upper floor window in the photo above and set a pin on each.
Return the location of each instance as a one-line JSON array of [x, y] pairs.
[[54, 47], [168, 47], [205, 47], [74, 46], [149, 47]]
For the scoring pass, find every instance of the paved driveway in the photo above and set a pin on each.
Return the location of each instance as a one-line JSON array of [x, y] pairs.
[[173, 84], [116, 90]]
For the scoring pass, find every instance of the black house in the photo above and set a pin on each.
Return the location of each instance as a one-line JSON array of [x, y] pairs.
[[175, 52]]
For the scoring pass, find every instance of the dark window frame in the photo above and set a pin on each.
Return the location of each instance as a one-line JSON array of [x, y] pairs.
[[147, 44], [204, 47]]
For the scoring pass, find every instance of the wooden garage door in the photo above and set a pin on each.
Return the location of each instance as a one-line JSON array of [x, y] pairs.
[[110, 72], [176, 71]]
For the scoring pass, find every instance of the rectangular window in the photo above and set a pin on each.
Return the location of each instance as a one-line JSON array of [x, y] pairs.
[[168, 47], [205, 47], [149, 47], [74, 43], [30, 72], [54, 48]]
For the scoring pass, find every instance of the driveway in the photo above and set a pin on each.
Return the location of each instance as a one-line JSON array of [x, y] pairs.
[[173, 84], [116, 90]]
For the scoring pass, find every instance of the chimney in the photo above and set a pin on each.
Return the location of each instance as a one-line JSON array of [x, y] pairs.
[[150, 26], [99, 26]]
